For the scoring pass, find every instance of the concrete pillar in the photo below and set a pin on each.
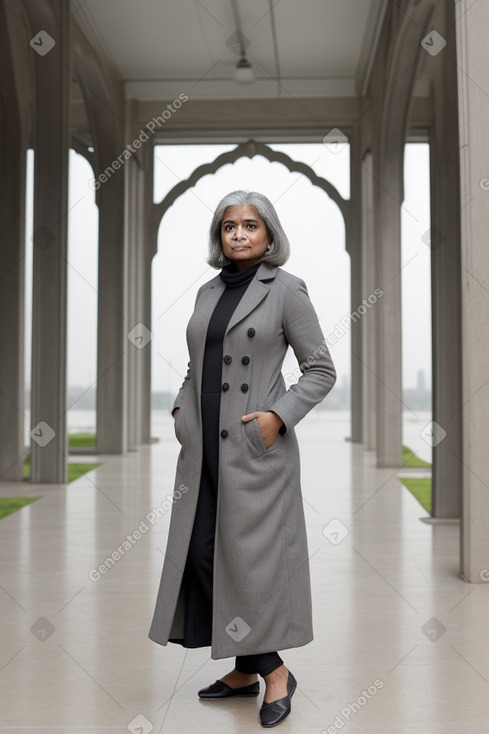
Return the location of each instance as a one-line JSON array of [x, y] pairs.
[[103, 100], [130, 211], [146, 212], [368, 288], [112, 343], [139, 203], [445, 285], [472, 28], [388, 341], [143, 285], [12, 227], [49, 444], [396, 83], [141, 344], [354, 247]]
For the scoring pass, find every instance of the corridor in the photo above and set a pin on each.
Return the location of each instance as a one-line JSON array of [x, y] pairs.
[[401, 642]]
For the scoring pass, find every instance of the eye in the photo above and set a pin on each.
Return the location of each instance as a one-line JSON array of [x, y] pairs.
[[253, 226]]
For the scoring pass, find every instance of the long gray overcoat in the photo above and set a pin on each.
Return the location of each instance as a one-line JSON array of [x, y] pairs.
[[261, 583]]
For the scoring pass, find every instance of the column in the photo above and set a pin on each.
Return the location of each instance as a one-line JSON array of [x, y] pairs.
[[112, 342], [388, 344], [103, 97], [368, 288], [354, 247], [472, 28], [49, 443], [445, 287], [12, 227], [135, 344], [147, 251]]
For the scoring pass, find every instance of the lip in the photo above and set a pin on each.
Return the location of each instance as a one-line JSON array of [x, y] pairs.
[[240, 248]]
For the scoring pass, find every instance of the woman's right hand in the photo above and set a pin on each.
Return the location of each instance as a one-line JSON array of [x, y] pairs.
[[175, 413]]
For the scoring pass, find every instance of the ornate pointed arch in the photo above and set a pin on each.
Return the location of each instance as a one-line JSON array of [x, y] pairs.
[[249, 149]]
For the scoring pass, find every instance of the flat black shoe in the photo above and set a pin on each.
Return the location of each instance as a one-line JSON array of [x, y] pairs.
[[275, 712], [219, 689]]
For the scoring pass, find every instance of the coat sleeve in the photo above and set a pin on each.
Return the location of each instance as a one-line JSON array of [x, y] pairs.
[[181, 392], [304, 334], [179, 397]]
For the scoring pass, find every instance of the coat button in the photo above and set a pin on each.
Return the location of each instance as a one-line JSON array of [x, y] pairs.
[[244, 387], [251, 331], [224, 433], [225, 386], [245, 360], [228, 359]]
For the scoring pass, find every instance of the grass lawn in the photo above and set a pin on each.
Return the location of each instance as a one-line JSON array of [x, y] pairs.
[[82, 439], [419, 488], [410, 459], [11, 504], [75, 471]]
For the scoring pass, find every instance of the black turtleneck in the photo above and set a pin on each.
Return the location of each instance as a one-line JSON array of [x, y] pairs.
[[234, 277], [237, 281]]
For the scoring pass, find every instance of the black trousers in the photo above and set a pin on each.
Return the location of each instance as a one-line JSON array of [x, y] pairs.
[[198, 573]]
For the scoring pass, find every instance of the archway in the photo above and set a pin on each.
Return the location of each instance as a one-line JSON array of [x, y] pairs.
[[316, 246], [248, 149]]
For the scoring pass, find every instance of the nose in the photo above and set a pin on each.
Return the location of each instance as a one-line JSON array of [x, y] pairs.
[[238, 232]]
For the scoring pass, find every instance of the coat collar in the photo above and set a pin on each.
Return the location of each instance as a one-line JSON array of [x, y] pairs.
[[254, 294], [264, 272]]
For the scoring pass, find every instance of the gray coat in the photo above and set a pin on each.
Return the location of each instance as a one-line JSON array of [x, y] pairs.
[[261, 584]]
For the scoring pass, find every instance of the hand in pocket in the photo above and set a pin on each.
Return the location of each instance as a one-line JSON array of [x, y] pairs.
[[268, 424]]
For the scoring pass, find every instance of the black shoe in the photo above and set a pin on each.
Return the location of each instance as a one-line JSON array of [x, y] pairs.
[[275, 712], [219, 689]]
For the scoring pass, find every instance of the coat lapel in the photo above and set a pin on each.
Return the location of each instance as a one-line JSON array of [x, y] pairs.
[[202, 315], [208, 301], [254, 294]]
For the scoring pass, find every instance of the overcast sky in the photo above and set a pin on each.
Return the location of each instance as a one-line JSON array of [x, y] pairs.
[[311, 220]]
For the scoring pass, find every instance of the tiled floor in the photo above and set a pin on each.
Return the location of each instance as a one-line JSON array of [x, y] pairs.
[[401, 642]]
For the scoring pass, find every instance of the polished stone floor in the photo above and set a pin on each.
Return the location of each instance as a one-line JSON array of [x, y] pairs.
[[401, 642]]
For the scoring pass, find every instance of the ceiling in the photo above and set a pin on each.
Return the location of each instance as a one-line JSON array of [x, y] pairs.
[[306, 48]]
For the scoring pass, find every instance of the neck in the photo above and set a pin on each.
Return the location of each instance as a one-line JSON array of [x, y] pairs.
[[234, 276], [243, 264]]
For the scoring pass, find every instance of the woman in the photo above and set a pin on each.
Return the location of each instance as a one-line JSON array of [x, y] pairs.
[[236, 570]]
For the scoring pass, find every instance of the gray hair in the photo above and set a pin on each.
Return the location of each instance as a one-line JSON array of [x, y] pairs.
[[280, 248]]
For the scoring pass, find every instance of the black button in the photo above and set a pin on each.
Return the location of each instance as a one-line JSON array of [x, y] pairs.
[[245, 387], [251, 331], [224, 433], [245, 360], [228, 359], [225, 386]]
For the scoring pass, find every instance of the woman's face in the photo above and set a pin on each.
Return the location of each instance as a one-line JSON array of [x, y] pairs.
[[244, 235]]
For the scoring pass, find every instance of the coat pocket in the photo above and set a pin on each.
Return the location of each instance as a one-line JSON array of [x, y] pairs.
[[177, 426], [254, 437]]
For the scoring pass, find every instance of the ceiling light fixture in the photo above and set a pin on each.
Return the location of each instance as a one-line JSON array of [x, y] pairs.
[[244, 73]]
